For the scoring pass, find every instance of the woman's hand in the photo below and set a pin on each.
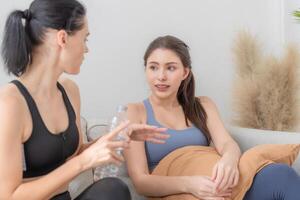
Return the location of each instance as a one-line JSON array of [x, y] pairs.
[[203, 187], [225, 173], [103, 151], [144, 132]]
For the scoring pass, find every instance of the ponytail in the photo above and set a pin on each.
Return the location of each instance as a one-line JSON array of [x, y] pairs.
[[191, 105], [24, 30], [16, 45]]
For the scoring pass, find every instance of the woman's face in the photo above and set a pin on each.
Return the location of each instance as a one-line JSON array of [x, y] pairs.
[[165, 72], [75, 47]]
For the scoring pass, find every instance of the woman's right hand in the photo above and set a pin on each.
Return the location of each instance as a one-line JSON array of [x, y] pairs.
[[103, 151], [203, 188]]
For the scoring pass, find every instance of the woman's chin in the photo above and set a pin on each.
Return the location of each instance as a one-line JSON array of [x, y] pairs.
[[162, 95], [73, 71]]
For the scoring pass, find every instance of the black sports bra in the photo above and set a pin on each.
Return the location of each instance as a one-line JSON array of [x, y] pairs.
[[44, 151]]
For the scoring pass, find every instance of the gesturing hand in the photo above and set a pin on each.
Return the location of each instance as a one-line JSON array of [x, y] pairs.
[[103, 151], [144, 132]]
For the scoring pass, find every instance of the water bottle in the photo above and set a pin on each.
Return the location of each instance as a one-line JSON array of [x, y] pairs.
[[120, 117], [112, 170]]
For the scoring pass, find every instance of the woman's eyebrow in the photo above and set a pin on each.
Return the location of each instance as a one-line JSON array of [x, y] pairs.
[[168, 63], [153, 62]]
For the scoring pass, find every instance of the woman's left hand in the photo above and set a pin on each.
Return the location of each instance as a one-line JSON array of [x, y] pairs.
[[225, 173], [144, 132]]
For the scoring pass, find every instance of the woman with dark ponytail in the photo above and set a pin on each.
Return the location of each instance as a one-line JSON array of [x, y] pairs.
[[40, 110], [191, 120]]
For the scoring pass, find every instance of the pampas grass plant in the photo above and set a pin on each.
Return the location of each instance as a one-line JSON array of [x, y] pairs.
[[266, 89]]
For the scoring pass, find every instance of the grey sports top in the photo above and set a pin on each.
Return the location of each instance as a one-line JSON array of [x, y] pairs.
[[177, 139]]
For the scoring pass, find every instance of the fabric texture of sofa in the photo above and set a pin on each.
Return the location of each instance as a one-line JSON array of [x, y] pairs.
[[245, 137]]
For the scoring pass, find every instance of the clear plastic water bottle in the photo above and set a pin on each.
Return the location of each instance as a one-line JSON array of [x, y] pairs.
[[112, 170]]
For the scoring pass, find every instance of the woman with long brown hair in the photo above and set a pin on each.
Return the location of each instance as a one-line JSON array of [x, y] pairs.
[[190, 120]]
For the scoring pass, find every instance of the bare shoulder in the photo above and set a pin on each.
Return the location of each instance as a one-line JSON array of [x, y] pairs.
[[137, 112], [205, 100], [69, 85], [207, 103], [10, 96], [12, 106], [136, 107]]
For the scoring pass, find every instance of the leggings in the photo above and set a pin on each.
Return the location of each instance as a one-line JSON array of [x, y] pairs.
[[104, 189], [275, 182]]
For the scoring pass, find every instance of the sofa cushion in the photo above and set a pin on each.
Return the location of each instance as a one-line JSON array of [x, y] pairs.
[[80, 183]]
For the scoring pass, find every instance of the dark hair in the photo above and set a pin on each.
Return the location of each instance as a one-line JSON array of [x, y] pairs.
[[192, 108], [21, 38]]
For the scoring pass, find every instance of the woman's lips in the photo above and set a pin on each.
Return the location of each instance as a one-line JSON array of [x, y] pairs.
[[162, 87]]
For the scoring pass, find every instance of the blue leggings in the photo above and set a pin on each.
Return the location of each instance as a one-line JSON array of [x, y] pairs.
[[275, 182]]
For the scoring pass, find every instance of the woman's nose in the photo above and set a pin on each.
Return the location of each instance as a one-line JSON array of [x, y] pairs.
[[162, 76]]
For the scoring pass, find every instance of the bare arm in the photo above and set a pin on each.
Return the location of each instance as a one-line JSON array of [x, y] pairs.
[[225, 173], [145, 183], [222, 140], [11, 133], [11, 186], [153, 185]]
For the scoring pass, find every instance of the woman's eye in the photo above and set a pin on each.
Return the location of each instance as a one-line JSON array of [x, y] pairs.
[[171, 68], [152, 67]]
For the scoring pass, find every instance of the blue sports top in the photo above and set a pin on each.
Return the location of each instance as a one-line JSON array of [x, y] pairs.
[[177, 139]]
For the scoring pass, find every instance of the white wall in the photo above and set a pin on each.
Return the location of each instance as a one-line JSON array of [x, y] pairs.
[[121, 30], [292, 26]]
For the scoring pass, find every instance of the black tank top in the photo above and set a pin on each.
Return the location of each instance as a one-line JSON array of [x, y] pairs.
[[44, 151]]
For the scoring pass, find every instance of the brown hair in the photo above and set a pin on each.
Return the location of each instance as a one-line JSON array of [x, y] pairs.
[[192, 108]]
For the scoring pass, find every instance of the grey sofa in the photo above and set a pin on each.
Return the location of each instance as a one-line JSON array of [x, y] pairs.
[[246, 138]]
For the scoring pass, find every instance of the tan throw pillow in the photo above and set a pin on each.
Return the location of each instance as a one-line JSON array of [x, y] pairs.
[[199, 160], [254, 159]]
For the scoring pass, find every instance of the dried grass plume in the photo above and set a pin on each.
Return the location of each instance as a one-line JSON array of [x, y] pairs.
[[265, 89]]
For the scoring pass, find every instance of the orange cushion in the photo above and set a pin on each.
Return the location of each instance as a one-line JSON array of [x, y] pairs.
[[199, 160]]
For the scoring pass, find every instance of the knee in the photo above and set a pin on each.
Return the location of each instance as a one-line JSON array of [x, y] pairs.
[[117, 186], [282, 172], [275, 181], [115, 183], [107, 189]]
